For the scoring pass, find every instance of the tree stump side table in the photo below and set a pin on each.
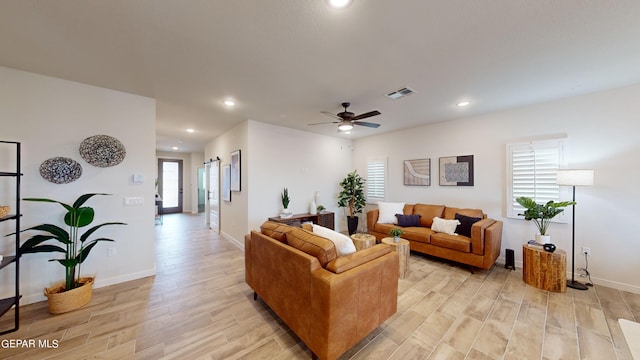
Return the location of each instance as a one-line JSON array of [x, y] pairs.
[[543, 269], [363, 241], [402, 248]]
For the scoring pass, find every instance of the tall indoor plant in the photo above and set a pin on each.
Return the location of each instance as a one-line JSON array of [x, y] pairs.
[[352, 196], [542, 214], [75, 245]]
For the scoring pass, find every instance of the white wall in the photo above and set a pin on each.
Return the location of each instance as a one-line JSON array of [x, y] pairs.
[[602, 131], [51, 117], [303, 162], [233, 215]]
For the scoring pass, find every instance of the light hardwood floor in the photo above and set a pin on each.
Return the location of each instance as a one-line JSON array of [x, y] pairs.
[[198, 307]]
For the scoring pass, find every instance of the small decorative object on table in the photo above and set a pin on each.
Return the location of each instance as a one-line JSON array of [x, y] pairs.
[[541, 214], [4, 210], [285, 204], [395, 233]]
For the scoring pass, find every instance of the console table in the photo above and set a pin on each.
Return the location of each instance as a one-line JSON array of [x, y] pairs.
[[544, 270], [324, 218]]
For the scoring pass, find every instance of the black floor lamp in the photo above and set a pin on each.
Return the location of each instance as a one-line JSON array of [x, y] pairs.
[[574, 178]]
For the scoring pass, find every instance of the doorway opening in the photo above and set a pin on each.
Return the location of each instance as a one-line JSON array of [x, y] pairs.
[[170, 185]]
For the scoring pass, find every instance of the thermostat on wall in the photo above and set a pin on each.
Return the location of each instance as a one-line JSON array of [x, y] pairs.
[[138, 178]]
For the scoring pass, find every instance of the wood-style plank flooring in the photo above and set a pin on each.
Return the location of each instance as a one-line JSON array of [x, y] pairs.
[[198, 307]]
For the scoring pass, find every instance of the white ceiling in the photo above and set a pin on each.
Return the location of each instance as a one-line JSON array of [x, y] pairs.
[[285, 61]]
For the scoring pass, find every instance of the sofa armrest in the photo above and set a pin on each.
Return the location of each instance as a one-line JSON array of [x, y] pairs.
[[492, 243], [478, 235], [348, 262], [372, 219]]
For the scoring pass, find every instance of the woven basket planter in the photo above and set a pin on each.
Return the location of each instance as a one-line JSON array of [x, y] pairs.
[[61, 301]]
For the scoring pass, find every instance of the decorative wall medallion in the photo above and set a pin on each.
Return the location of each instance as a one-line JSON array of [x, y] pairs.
[[102, 150], [60, 170]]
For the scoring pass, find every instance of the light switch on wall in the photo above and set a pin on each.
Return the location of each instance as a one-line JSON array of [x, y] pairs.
[[133, 200]]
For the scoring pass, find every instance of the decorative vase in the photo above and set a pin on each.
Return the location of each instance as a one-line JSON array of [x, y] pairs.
[[352, 224], [313, 208], [286, 213], [543, 239], [61, 301]]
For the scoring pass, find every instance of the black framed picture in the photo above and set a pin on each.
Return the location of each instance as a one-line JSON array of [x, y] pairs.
[[235, 170], [456, 170]]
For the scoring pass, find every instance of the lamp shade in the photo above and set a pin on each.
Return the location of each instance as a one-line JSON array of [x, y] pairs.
[[574, 177]]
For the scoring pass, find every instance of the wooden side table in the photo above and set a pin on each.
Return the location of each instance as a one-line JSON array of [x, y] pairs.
[[402, 248], [363, 241], [543, 269]]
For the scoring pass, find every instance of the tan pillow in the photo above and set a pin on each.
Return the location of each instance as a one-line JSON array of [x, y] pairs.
[[312, 244], [275, 230]]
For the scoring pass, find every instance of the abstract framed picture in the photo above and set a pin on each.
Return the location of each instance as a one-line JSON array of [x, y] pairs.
[[456, 171], [235, 170], [417, 172], [226, 182]]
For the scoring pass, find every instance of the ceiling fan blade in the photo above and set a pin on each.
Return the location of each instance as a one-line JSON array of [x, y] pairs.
[[367, 124], [366, 115], [332, 115], [326, 122]]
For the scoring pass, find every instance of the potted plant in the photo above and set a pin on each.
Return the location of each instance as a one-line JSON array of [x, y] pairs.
[[542, 214], [395, 233], [285, 203], [76, 291], [352, 196]]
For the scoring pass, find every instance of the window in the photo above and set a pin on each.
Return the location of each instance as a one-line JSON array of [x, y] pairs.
[[531, 168], [376, 179]]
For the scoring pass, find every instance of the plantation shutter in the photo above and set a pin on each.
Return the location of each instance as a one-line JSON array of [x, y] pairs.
[[532, 170], [376, 174]]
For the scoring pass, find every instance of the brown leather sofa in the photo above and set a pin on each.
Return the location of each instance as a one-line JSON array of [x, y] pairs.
[[481, 249], [331, 302]]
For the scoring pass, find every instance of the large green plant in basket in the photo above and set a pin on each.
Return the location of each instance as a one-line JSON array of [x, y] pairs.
[[73, 243]]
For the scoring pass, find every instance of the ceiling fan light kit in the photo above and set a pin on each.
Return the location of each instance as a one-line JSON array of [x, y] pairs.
[[347, 119]]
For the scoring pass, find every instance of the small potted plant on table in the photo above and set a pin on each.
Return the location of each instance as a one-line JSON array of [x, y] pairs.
[[396, 233], [541, 214]]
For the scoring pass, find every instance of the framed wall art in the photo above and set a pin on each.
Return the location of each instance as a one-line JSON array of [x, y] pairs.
[[456, 171], [235, 170], [417, 172], [226, 182]]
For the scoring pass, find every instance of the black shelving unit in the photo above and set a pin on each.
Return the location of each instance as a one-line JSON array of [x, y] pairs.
[[8, 260]]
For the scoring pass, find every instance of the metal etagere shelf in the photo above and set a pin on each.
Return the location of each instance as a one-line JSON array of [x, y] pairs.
[[8, 260]]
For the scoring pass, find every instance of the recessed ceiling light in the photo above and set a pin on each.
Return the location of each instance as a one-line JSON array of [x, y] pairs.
[[339, 3], [463, 103], [229, 102], [175, 148], [190, 130]]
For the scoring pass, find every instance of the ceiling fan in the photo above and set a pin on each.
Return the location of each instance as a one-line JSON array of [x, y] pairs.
[[347, 119]]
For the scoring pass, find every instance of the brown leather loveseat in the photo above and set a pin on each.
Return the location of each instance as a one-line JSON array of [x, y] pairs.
[[480, 248], [330, 302]]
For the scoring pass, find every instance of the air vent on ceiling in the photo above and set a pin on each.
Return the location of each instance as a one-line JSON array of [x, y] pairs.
[[405, 91]]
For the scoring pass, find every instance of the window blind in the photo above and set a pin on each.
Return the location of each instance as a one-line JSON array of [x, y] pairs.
[[376, 173]]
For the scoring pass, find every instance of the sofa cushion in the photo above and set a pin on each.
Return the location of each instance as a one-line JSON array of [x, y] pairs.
[[388, 211], [344, 263], [450, 213], [453, 242], [465, 224], [408, 220], [312, 244], [427, 213], [344, 244], [417, 233], [445, 226], [275, 230]]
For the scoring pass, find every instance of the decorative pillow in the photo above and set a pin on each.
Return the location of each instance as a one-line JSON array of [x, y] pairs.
[[387, 212], [465, 224], [344, 244], [445, 226], [275, 230], [312, 244], [408, 220]]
